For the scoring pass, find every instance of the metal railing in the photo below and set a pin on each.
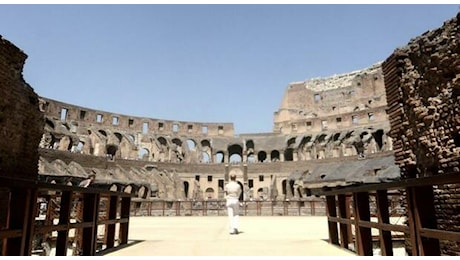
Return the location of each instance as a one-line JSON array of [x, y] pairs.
[[159, 207]]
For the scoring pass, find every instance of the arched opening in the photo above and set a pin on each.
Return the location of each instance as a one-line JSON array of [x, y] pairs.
[[186, 187], [205, 143], [260, 193], [79, 147], [321, 139], [205, 158], [209, 193], [336, 137], [119, 136], [162, 141], [291, 142], [128, 189], [251, 158], [114, 187], [378, 137], [262, 156], [220, 157], [111, 150], [102, 132], [275, 155], [131, 138], [289, 154], [235, 158], [49, 123], [177, 142], [236, 153], [142, 192], [250, 145], [191, 145], [143, 154]]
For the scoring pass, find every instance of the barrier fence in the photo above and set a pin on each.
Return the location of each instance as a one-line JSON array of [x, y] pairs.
[[49, 219], [158, 207]]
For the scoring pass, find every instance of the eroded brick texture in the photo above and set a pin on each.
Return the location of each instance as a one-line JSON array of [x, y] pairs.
[[422, 83], [21, 122]]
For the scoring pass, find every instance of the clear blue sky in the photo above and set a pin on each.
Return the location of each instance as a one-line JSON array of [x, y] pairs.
[[205, 63]]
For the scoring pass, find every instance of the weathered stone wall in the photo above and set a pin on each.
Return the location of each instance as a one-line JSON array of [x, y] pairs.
[[346, 101], [188, 154], [21, 123], [423, 91]]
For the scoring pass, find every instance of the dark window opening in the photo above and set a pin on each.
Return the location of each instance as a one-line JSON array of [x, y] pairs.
[[221, 184], [82, 114]]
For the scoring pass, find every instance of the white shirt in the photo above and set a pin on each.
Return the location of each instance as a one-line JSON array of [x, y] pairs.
[[233, 190]]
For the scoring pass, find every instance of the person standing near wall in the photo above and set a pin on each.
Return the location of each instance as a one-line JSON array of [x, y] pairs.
[[232, 195]]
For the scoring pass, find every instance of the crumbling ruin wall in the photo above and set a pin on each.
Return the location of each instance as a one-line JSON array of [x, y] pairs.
[[345, 101], [422, 83], [21, 123]]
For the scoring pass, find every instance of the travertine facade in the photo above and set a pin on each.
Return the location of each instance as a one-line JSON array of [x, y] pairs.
[[347, 101], [191, 160]]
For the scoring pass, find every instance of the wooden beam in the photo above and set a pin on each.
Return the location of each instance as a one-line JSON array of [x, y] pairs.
[[425, 217], [383, 216], [332, 212], [124, 227], [90, 214], [18, 217], [411, 222], [362, 212], [344, 213], [64, 219], [112, 215], [394, 185], [32, 212]]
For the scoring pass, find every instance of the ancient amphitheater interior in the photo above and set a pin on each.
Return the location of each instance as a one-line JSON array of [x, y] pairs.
[[397, 119]]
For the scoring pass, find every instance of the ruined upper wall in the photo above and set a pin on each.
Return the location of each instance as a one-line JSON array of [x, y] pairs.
[[345, 101], [21, 123], [423, 85], [80, 118]]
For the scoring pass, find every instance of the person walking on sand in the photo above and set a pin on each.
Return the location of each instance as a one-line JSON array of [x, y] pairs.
[[232, 195]]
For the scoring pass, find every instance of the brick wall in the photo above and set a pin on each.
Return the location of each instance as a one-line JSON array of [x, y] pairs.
[[422, 83], [21, 122]]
